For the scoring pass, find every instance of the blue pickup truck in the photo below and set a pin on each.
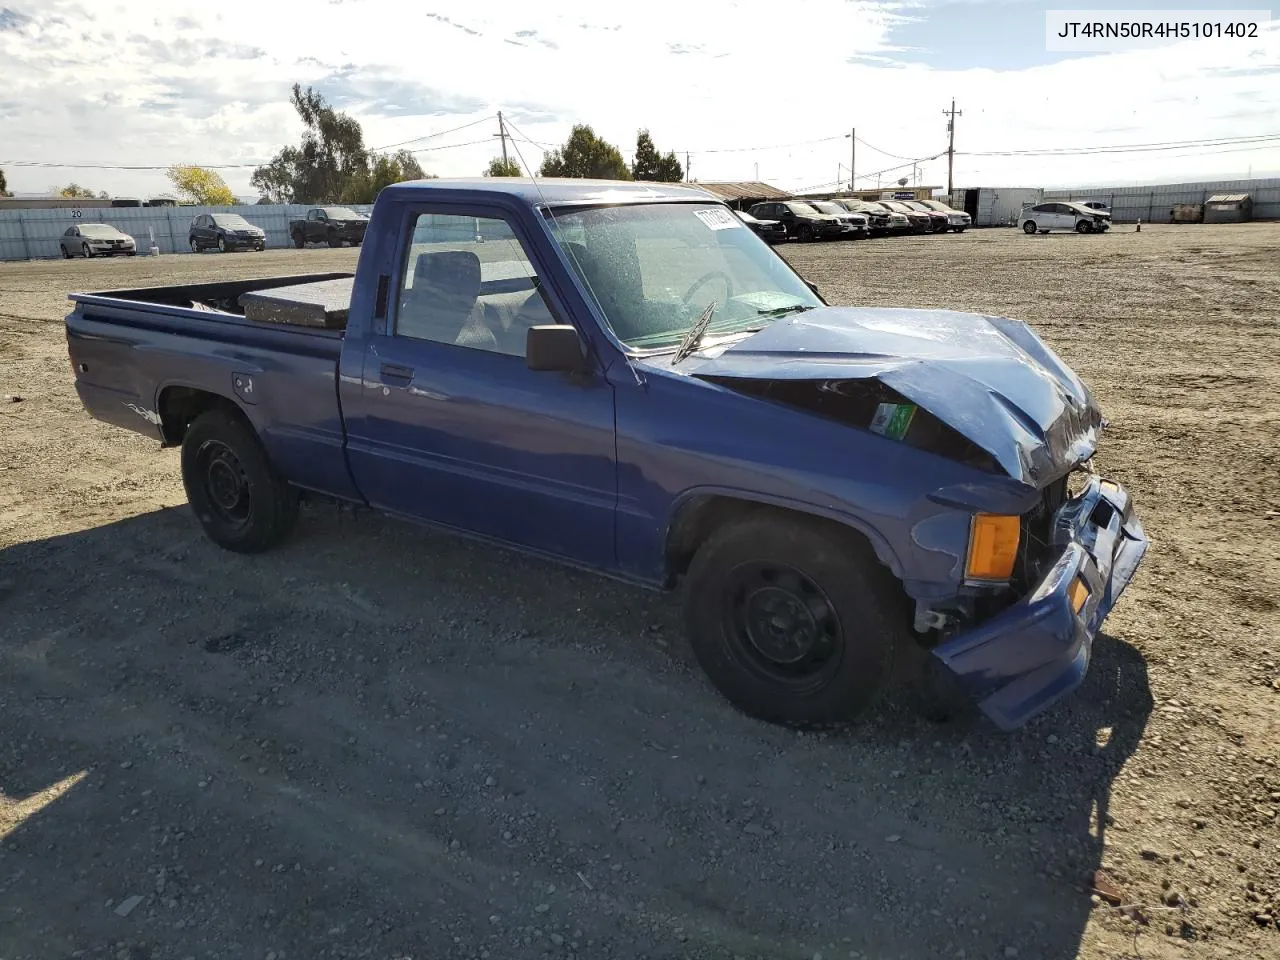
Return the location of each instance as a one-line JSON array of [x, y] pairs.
[[625, 378]]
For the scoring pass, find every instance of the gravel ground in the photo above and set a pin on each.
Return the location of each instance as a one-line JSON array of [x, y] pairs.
[[382, 742]]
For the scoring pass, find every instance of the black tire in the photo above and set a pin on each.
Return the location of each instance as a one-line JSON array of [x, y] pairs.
[[84, 249], [959, 229], [1029, 227], [1082, 226], [242, 503], [333, 240], [772, 574], [65, 255], [133, 253], [299, 240], [804, 233], [222, 244]]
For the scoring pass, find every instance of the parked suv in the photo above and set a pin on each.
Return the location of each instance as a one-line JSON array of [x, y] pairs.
[[801, 220], [861, 226], [918, 222], [226, 231], [937, 219], [879, 220], [332, 225], [957, 220]]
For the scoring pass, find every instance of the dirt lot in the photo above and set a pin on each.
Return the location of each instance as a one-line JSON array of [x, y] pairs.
[[381, 742]]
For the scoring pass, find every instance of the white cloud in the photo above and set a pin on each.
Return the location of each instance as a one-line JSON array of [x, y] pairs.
[[128, 83]]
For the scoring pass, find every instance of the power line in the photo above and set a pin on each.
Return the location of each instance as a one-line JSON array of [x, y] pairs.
[[429, 136], [1124, 148], [886, 153], [776, 146]]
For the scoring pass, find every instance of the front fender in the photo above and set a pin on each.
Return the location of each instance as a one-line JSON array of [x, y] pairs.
[[688, 499]]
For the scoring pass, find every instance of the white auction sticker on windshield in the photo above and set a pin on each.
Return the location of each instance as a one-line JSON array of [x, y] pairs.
[[717, 219]]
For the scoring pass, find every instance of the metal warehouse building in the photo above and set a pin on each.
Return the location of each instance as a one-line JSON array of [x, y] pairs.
[[1158, 204], [1162, 203]]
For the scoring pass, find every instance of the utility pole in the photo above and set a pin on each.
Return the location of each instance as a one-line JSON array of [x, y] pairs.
[[502, 132], [853, 156], [951, 145], [687, 165]]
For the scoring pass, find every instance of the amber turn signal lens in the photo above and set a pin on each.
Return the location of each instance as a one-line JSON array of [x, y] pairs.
[[993, 547], [1078, 592]]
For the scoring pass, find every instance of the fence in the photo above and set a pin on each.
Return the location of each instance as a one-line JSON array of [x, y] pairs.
[[29, 234]]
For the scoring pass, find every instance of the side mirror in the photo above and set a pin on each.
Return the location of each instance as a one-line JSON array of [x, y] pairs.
[[553, 346]]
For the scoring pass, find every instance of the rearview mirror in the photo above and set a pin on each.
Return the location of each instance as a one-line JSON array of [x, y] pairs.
[[553, 346]]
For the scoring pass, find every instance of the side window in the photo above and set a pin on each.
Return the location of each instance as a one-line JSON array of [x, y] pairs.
[[311, 214], [469, 282]]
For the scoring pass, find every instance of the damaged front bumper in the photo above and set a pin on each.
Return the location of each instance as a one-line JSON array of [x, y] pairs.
[[1029, 656]]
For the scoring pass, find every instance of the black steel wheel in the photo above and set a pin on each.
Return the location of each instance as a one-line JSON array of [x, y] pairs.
[[781, 624], [793, 618], [241, 501]]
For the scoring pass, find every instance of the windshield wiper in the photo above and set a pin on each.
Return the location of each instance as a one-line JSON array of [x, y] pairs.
[[783, 311], [689, 342]]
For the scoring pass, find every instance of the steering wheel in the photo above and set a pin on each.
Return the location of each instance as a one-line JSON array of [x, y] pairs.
[[706, 278]]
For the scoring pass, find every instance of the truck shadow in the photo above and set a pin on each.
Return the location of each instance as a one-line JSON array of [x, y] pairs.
[[298, 751]]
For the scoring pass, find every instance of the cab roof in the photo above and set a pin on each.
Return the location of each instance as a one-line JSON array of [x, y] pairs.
[[555, 191]]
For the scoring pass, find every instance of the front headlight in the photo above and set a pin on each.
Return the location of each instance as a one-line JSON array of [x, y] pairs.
[[993, 546]]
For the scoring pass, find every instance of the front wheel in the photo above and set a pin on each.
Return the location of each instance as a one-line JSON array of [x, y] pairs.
[[1083, 227], [959, 229], [298, 240], [222, 244], [804, 233], [195, 247], [333, 240], [240, 499], [85, 251], [792, 619], [1029, 227]]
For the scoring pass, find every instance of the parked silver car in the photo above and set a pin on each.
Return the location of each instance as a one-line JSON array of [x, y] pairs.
[[96, 239]]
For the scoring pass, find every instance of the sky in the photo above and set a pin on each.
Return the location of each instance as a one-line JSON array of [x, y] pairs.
[[748, 89]]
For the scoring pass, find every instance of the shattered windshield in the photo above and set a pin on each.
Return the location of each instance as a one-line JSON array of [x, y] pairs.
[[653, 269]]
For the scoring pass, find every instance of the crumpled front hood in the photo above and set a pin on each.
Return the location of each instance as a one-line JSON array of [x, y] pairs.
[[992, 379]]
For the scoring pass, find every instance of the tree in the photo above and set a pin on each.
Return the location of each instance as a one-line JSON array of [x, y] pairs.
[[650, 165], [200, 186], [76, 192], [384, 169], [585, 155], [331, 155], [502, 168], [4, 185]]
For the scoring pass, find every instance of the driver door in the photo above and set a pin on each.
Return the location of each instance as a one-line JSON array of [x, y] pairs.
[[450, 425]]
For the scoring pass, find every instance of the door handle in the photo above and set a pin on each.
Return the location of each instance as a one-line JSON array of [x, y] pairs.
[[396, 371]]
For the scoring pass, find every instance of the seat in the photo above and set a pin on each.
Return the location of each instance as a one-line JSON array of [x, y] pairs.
[[441, 305]]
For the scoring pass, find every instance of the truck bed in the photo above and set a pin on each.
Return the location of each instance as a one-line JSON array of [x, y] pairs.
[[241, 301], [142, 357]]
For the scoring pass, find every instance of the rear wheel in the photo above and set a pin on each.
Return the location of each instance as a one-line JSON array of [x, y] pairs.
[[793, 620], [1029, 227], [241, 501]]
